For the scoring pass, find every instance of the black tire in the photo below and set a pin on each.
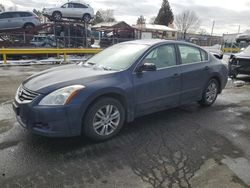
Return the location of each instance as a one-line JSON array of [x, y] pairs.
[[86, 18], [206, 101], [91, 115], [57, 16], [28, 26]]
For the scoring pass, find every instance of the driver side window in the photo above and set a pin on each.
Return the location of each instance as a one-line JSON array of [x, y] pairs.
[[162, 56]]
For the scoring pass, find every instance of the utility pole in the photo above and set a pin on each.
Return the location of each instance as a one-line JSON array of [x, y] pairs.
[[212, 31], [239, 30]]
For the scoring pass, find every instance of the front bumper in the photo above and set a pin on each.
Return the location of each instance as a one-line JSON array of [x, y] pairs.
[[61, 121], [238, 68]]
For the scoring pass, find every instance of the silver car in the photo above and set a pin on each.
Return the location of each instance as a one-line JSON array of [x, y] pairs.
[[18, 19], [71, 10]]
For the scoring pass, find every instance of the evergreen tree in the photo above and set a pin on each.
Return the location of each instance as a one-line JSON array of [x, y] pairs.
[[165, 15]]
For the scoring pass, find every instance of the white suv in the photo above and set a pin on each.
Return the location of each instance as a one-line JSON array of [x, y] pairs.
[[70, 10], [18, 19]]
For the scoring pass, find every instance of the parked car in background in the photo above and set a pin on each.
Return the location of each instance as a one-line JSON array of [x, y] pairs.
[[71, 10], [243, 37], [74, 35], [44, 41], [239, 63], [18, 19], [108, 39], [117, 85]]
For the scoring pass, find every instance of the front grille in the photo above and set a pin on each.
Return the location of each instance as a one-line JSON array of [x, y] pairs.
[[26, 95]]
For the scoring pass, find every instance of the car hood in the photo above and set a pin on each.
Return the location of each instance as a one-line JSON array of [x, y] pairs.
[[242, 55], [55, 78]]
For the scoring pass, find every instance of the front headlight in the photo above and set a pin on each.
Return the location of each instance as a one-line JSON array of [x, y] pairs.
[[61, 96], [17, 92]]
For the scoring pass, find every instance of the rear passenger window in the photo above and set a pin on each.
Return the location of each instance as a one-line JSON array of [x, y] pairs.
[[25, 14], [204, 55], [189, 54], [16, 14], [78, 5]]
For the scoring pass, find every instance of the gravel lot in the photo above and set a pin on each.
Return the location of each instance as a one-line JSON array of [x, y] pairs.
[[188, 146]]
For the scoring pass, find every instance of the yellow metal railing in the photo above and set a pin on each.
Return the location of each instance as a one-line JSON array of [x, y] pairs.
[[231, 50], [31, 51]]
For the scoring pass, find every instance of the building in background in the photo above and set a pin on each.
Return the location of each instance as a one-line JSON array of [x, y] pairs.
[[235, 42], [109, 33], [202, 39], [230, 38], [154, 31]]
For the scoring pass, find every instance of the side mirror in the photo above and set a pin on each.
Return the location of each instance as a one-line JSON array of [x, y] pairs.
[[147, 67], [231, 56], [218, 56]]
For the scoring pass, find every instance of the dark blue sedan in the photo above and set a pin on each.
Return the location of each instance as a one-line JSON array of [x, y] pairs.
[[121, 83]]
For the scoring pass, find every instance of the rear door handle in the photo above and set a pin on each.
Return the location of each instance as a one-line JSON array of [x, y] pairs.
[[206, 68], [176, 75]]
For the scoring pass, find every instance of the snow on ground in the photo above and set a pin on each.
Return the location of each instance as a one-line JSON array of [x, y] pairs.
[[50, 60]]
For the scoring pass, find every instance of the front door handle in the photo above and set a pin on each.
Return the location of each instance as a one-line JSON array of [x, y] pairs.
[[206, 68]]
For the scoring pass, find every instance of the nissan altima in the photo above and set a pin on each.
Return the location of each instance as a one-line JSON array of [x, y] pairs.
[[119, 84]]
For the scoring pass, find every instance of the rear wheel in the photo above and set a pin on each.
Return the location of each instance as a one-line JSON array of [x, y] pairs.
[[28, 26], [104, 119], [210, 93], [86, 18], [57, 16]]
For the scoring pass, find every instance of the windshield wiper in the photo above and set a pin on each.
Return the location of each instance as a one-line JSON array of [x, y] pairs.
[[88, 64], [103, 67]]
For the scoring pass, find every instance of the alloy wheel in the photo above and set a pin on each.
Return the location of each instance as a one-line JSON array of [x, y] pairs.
[[106, 120], [57, 16], [211, 92]]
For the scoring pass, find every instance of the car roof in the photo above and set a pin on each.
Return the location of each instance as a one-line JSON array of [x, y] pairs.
[[14, 11], [152, 42], [78, 2]]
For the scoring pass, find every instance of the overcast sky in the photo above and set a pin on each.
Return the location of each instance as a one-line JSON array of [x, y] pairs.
[[227, 14]]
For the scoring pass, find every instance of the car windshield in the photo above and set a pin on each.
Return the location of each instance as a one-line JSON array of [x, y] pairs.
[[118, 57]]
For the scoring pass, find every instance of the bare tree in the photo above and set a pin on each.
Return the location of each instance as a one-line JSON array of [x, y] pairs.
[[107, 15], [152, 20], [187, 21], [14, 8], [202, 32], [2, 8]]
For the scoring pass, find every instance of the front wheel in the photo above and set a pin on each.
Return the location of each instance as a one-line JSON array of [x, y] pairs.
[[210, 93], [104, 119]]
